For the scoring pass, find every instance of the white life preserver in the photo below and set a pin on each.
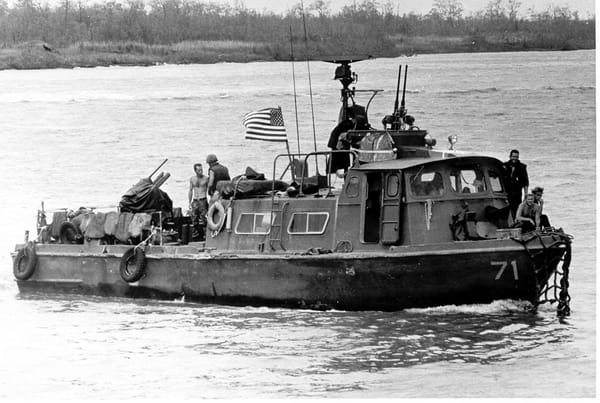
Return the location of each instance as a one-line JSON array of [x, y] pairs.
[[213, 224]]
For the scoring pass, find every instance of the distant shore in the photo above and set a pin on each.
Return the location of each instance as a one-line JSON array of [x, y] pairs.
[[40, 55]]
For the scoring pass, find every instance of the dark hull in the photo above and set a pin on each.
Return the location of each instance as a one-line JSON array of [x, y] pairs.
[[455, 273]]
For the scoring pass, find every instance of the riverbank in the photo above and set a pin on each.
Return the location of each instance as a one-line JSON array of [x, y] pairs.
[[40, 55]]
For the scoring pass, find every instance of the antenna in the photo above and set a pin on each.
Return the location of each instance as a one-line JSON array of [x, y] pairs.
[[312, 110], [295, 96]]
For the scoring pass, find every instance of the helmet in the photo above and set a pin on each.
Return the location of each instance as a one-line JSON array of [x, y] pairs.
[[211, 158]]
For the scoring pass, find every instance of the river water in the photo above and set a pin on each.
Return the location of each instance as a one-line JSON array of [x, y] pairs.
[[81, 137]]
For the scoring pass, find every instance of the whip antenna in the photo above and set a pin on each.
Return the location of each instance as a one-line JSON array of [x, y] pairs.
[[312, 110], [294, 81]]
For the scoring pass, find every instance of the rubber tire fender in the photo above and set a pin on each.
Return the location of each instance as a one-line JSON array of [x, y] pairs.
[[69, 233], [210, 222], [133, 265], [25, 263]]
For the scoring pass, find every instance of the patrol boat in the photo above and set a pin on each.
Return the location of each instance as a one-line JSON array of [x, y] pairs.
[[411, 226]]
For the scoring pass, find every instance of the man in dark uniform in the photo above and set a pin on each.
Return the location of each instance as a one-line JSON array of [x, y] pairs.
[[216, 173], [516, 180]]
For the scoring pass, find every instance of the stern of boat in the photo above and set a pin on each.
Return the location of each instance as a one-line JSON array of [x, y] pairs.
[[550, 254]]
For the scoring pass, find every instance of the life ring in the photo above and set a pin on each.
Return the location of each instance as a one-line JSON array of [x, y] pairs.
[[133, 265], [213, 225], [25, 263], [69, 233]]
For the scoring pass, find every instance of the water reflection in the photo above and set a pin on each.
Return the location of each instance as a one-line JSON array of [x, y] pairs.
[[267, 351], [330, 341], [372, 341]]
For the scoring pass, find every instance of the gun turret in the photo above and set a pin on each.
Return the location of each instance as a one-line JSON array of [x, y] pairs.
[[396, 119]]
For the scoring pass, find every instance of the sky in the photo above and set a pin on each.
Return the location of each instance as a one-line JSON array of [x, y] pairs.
[[584, 7]]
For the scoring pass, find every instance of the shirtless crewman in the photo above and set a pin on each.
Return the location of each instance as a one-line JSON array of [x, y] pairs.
[[198, 202]]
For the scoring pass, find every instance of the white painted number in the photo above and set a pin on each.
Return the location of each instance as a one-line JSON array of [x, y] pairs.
[[503, 266]]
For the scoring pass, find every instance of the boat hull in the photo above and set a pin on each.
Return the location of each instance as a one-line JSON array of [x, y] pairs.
[[398, 278]]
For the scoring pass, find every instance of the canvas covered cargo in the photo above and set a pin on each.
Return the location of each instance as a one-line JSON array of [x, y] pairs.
[[145, 196]]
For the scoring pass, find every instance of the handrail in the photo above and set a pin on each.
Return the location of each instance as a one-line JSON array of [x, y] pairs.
[[305, 157]]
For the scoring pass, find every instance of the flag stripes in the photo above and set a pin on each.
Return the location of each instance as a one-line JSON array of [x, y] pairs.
[[265, 124]]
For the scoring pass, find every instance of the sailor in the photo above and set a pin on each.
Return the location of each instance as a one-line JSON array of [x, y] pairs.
[[528, 214], [198, 203], [516, 180], [337, 141], [216, 173], [410, 122], [538, 193]]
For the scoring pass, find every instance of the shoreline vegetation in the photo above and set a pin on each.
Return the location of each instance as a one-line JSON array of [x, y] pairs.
[[140, 33]]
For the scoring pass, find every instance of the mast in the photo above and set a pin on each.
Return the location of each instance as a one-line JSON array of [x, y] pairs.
[[346, 76]]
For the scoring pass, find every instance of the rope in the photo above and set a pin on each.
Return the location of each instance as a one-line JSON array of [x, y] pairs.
[[558, 287], [144, 243]]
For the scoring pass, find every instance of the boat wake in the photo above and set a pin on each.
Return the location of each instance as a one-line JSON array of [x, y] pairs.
[[495, 307]]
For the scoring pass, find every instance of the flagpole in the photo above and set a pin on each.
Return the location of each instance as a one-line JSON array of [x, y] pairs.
[[287, 146]]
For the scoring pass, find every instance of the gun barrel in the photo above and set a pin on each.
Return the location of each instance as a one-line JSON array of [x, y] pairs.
[[398, 88], [157, 168], [404, 89]]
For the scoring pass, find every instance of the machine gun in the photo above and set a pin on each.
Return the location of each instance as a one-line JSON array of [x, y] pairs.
[[398, 119]]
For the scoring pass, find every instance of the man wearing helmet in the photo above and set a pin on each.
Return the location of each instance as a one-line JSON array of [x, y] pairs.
[[216, 173]]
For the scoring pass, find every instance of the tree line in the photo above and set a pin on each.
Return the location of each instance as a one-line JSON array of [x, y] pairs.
[[372, 26]]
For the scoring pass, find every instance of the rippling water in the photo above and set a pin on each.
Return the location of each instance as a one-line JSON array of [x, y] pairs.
[[83, 136]]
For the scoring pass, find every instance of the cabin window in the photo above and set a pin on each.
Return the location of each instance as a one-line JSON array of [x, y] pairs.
[[427, 184], [352, 189], [253, 223], [393, 185], [469, 180], [495, 182], [308, 223]]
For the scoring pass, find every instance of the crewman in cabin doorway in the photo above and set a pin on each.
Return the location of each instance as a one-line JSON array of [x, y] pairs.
[[198, 203], [516, 181]]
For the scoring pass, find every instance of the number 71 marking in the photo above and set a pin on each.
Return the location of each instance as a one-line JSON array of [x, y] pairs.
[[503, 266]]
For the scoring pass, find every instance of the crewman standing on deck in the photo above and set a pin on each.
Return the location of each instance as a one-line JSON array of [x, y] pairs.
[[216, 173], [198, 203], [516, 181]]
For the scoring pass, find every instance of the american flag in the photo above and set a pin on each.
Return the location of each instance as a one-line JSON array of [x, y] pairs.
[[265, 124]]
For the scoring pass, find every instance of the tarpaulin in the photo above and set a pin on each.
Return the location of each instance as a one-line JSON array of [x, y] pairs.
[[145, 197]]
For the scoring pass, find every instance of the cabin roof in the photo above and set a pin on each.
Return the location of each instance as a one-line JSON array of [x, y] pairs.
[[404, 163]]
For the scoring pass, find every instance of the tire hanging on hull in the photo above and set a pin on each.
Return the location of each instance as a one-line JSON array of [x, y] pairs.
[[133, 265], [25, 263]]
